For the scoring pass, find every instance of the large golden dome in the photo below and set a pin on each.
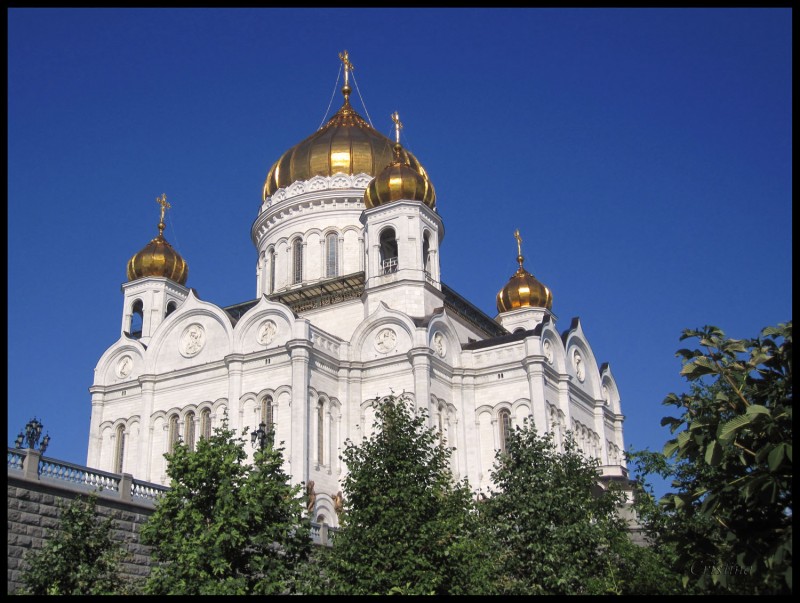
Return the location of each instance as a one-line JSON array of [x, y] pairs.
[[158, 258], [523, 290], [346, 144], [398, 181]]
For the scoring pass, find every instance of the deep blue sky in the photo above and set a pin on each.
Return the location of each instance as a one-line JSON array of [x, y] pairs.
[[644, 154]]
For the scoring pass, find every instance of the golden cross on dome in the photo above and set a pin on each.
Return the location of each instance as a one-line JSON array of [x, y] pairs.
[[397, 126], [348, 66], [517, 236], [162, 201]]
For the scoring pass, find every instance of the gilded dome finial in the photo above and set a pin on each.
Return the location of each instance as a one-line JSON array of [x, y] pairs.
[[162, 201], [398, 125], [348, 67], [158, 258], [523, 289]]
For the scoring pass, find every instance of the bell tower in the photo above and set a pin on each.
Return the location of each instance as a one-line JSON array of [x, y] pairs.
[[156, 278]]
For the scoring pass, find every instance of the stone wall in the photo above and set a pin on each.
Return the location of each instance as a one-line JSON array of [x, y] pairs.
[[35, 502], [39, 488]]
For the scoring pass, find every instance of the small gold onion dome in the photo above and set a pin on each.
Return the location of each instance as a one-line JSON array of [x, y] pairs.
[[398, 181], [522, 289], [158, 258], [346, 144]]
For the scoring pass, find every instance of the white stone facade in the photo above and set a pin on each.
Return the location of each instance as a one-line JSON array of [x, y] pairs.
[[354, 327]]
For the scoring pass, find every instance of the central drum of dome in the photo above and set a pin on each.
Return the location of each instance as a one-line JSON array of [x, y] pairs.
[[347, 144]]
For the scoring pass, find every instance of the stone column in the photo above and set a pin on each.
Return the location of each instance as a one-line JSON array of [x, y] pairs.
[[535, 373], [95, 439], [298, 445], [146, 452], [420, 359], [234, 364]]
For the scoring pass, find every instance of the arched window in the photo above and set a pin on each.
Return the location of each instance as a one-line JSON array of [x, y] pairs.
[[171, 308], [119, 453], [188, 430], [297, 261], [504, 417], [320, 433], [268, 416], [137, 319], [331, 255], [173, 433], [205, 423], [272, 271], [388, 251], [426, 254]]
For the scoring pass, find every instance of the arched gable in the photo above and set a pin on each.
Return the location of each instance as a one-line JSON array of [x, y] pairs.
[[197, 333], [552, 348], [609, 391], [113, 368], [442, 338], [383, 333], [579, 352], [266, 325]]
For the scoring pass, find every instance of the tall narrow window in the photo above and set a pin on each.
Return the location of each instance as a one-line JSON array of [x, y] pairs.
[[205, 423], [297, 261], [188, 430], [268, 416], [137, 319], [388, 251], [272, 271], [331, 256], [119, 453], [173, 433], [505, 428], [426, 252], [171, 308], [320, 433]]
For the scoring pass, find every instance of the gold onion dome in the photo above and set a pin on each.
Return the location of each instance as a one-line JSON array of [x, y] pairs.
[[158, 258], [398, 181], [522, 289], [346, 144]]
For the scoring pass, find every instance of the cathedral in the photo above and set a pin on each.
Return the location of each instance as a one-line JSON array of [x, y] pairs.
[[350, 302]]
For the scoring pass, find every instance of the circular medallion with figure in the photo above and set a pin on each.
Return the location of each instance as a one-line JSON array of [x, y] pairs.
[[579, 368], [266, 332], [439, 344], [124, 366], [192, 340], [385, 340]]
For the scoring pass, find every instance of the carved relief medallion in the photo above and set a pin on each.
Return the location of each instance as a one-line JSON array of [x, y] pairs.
[[124, 366], [385, 340], [579, 368], [547, 347], [439, 344], [266, 332], [192, 340]]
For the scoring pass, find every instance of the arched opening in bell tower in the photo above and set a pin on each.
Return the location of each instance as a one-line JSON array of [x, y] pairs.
[[388, 243]]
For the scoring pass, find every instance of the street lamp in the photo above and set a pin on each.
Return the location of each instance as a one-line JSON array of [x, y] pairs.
[[33, 431], [260, 436]]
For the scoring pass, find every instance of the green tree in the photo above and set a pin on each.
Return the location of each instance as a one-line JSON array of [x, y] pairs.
[[79, 558], [729, 519], [555, 530], [407, 528], [225, 526]]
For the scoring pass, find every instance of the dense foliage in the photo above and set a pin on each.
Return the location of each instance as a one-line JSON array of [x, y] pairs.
[[225, 526], [407, 528], [555, 530], [79, 558], [729, 520]]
